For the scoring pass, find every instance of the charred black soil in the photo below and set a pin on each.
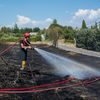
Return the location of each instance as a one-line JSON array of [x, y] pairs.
[[39, 72]]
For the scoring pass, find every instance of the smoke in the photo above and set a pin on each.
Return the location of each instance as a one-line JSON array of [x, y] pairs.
[[64, 66]]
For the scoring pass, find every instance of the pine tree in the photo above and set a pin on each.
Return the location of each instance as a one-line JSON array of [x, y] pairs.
[[16, 29], [84, 24]]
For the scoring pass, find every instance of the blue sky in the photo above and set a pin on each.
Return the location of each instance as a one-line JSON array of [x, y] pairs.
[[33, 13]]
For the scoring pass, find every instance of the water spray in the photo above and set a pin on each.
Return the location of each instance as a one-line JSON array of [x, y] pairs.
[[64, 66]]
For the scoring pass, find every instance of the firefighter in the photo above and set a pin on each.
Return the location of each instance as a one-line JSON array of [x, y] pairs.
[[24, 45]]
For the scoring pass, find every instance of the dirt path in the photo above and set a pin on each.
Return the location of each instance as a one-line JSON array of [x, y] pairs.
[[79, 50]]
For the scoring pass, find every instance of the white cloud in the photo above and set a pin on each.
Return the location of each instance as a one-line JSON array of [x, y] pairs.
[[81, 12], [49, 20], [34, 22], [90, 16], [22, 20], [42, 23]]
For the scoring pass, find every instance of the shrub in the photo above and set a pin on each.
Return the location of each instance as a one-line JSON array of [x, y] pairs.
[[8, 38], [36, 38], [88, 39]]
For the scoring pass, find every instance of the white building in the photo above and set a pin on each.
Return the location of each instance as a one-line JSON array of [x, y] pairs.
[[33, 33]]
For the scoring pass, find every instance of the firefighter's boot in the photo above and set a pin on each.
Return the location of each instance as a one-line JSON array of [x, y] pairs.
[[23, 65]]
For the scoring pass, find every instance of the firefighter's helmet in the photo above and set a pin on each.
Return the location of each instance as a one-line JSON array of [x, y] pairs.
[[27, 35]]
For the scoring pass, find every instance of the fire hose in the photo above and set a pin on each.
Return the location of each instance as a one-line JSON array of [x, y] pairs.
[[40, 86], [41, 89]]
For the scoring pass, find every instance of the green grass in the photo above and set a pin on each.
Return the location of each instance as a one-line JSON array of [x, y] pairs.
[[8, 38]]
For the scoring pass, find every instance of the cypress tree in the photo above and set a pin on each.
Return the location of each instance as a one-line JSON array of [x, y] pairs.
[[84, 24]]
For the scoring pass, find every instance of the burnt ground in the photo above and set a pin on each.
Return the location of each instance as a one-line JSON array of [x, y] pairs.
[[41, 73]]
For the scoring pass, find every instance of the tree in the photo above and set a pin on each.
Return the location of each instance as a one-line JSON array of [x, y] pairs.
[[96, 25], [88, 39], [54, 21], [28, 29], [5, 29], [16, 29], [36, 29], [84, 24], [54, 31], [68, 33]]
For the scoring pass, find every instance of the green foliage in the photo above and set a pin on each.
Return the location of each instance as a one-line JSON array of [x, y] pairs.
[[24, 30], [19, 35], [15, 29], [68, 33], [1, 34], [84, 24], [54, 21], [36, 29], [88, 39], [5, 30], [54, 32], [80, 39], [8, 38], [36, 38]]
